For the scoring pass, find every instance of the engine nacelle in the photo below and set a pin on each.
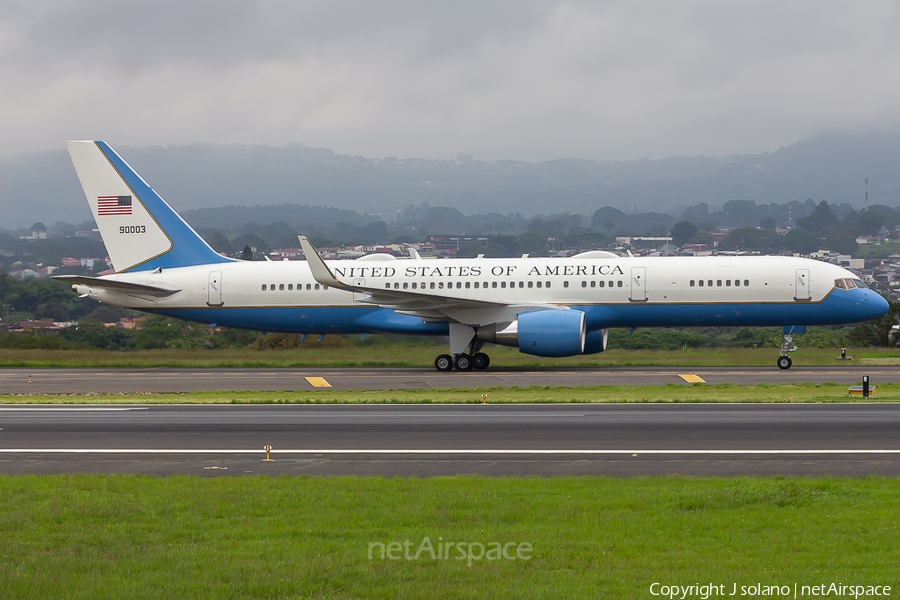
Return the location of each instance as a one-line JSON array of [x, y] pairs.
[[551, 332]]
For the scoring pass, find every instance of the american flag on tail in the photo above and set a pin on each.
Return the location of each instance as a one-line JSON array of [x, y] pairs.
[[113, 205]]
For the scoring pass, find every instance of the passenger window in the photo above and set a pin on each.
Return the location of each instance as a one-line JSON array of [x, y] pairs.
[[467, 285], [737, 282], [719, 282], [548, 284], [264, 287], [413, 285], [324, 288], [476, 285], [272, 287], [459, 285], [593, 283], [601, 283], [566, 283], [539, 284], [308, 286], [611, 284], [701, 283], [521, 284], [709, 283], [727, 283], [746, 282], [493, 284], [584, 284], [502, 285], [317, 287], [619, 284], [405, 285], [281, 287], [290, 287], [440, 285], [387, 286], [692, 283], [530, 283]]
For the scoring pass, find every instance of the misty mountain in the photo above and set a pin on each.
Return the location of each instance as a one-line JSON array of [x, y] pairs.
[[42, 186]]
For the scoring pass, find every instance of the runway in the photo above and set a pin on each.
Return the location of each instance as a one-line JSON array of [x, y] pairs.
[[168, 380], [429, 440]]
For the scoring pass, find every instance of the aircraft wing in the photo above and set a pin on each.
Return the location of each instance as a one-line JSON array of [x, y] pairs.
[[115, 285], [428, 306]]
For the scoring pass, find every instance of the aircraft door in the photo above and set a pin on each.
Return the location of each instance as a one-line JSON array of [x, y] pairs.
[[801, 286], [214, 289], [638, 284], [359, 296]]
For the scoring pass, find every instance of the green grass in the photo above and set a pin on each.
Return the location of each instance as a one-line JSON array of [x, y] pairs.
[[672, 393], [423, 356], [95, 536]]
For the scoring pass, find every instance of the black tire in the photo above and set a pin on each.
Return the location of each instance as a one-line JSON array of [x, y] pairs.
[[481, 361], [784, 362], [443, 362], [463, 362]]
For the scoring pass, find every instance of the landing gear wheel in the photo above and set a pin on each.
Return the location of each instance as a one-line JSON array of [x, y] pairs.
[[784, 362], [444, 362], [463, 362], [481, 361]]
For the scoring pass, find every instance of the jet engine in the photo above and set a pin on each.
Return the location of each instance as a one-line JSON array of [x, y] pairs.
[[551, 332]]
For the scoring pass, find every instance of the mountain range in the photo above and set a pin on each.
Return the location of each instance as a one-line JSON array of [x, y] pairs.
[[830, 166]]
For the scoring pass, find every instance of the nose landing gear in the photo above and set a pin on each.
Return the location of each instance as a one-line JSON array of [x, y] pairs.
[[787, 345]]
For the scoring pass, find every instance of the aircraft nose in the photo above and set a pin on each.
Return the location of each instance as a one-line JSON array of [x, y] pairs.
[[877, 305]]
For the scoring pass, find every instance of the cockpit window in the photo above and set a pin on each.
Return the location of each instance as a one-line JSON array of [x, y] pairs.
[[848, 284]]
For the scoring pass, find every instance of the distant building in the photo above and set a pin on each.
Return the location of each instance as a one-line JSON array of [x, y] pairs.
[[289, 253], [131, 322]]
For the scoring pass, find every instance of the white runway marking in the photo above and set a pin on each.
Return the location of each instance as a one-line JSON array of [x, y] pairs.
[[276, 452], [69, 409]]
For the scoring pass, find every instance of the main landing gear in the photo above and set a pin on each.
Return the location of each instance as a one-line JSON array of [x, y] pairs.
[[462, 362], [465, 351], [787, 345]]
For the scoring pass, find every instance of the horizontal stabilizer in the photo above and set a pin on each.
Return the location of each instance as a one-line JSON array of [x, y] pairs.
[[116, 286]]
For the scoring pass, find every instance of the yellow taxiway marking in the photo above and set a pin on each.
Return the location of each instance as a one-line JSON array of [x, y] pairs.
[[318, 382], [691, 378]]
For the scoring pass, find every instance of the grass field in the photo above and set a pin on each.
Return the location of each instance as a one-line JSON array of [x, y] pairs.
[[671, 393], [423, 355], [87, 536]]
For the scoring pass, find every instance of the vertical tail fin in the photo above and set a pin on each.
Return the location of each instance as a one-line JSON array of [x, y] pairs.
[[140, 230]]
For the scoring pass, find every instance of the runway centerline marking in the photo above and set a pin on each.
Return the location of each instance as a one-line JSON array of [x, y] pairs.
[[276, 452]]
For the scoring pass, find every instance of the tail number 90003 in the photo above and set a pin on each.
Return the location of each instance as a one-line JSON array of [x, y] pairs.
[[133, 229]]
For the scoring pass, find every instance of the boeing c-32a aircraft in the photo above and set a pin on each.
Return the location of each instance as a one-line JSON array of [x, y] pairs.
[[542, 306]]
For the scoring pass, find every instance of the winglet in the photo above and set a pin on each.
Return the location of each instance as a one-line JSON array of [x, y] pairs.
[[320, 271]]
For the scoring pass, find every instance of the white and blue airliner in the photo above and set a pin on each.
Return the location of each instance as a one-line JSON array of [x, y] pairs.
[[542, 306]]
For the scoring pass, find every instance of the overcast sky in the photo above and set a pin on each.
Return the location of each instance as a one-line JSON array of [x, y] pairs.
[[520, 80]]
